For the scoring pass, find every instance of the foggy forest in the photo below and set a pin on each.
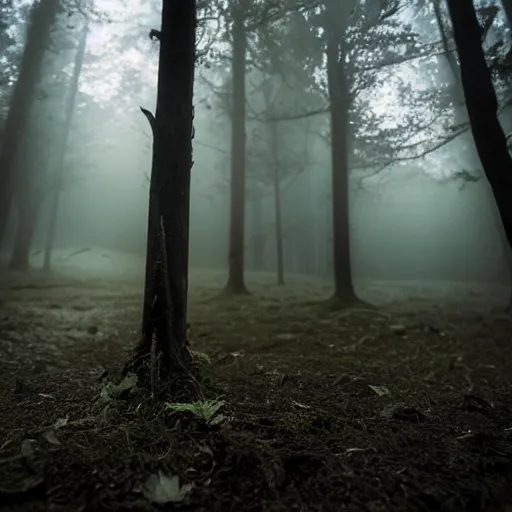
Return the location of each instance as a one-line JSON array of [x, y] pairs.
[[255, 255]]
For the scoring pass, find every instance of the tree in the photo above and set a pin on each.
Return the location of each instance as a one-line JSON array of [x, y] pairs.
[[278, 216], [356, 49], [339, 94], [482, 107], [58, 173], [163, 348], [245, 17], [40, 147], [38, 36], [235, 283]]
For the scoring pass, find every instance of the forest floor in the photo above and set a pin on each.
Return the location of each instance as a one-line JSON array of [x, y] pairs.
[[403, 408]]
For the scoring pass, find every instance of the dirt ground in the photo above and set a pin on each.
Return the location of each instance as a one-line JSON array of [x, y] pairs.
[[407, 407]]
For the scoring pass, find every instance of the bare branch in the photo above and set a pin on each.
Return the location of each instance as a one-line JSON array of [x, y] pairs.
[[151, 118], [209, 146], [292, 117], [395, 7], [391, 161]]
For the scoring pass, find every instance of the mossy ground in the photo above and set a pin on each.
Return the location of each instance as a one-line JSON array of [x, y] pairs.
[[406, 407]]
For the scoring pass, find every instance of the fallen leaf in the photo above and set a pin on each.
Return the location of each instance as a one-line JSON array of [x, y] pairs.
[[51, 438], [217, 420], [301, 406], [162, 489], [380, 390], [60, 422], [353, 450]]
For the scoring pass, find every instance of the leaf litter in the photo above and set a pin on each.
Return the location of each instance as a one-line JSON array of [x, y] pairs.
[[306, 407]]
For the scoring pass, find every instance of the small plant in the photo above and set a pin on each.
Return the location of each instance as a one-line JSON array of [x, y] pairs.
[[200, 357], [205, 410]]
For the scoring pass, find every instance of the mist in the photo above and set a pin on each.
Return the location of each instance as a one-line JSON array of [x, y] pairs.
[[322, 321]]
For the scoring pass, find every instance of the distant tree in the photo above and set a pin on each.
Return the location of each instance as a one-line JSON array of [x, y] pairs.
[[242, 18], [41, 22], [336, 19], [163, 348], [342, 55], [278, 164], [57, 176], [334, 41], [236, 282], [482, 107], [40, 147]]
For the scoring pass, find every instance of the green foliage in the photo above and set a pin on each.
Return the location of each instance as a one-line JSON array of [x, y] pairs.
[[206, 410], [200, 357], [385, 57]]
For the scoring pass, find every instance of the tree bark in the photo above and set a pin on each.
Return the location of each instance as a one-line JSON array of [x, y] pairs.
[[507, 7], [276, 182], [339, 95], [38, 37], [59, 171], [482, 106], [258, 238], [27, 220], [236, 282], [164, 342]]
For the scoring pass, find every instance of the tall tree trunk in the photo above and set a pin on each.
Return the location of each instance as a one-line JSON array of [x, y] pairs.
[[236, 282], [258, 237], [59, 170], [276, 182], [461, 110], [339, 95], [482, 106], [164, 324], [38, 37], [27, 220], [507, 7]]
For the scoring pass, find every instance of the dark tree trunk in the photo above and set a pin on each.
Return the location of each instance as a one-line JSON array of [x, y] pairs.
[[276, 182], [59, 171], [236, 282], [258, 237], [482, 106], [38, 37], [507, 7], [339, 95], [164, 342], [28, 208], [278, 226], [51, 230], [273, 134]]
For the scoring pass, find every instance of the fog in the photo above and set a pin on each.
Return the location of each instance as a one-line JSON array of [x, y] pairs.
[[407, 228], [345, 347], [413, 215]]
